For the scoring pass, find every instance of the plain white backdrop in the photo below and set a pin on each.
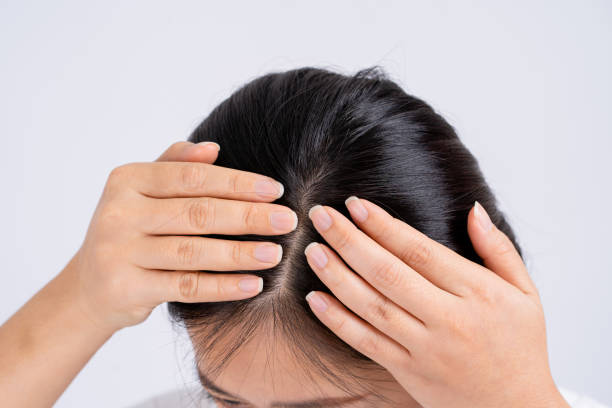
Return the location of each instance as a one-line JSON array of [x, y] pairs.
[[87, 86]]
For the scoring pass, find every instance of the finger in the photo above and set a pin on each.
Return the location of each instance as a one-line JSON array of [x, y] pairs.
[[207, 215], [185, 179], [192, 287], [360, 297], [436, 262], [205, 152], [497, 251], [200, 253], [383, 270], [357, 333]]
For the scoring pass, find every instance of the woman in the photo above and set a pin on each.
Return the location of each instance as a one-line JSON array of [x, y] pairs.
[[354, 282]]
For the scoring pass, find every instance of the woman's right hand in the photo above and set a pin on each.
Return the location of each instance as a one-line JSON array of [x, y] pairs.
[[142, 248]]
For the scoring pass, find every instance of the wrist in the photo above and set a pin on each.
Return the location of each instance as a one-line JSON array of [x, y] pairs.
[[46, 343], [92, 318]]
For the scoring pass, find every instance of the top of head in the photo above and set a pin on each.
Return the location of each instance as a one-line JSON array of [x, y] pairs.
[[327, 136]]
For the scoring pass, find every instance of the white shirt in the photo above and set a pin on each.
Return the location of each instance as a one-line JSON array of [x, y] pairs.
[[192, 398]]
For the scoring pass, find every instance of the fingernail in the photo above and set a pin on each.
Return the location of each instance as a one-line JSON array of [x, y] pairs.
[[356, 208], [482, 217], [269, 188], [283, 220], [320, 217], [316, 253], [268, 253], [251, 284], [317, 302], [213, 144]]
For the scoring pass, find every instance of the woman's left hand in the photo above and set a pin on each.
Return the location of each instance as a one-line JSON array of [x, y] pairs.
[[453, 333]]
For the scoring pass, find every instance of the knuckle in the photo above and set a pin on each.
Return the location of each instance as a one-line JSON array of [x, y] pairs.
[[343, 239], [201, 214], [188, 283], [502, 247], [417, 255], [112, 215], [193, 176], [188, 252], [338, 326], [233, 182], [388, 273], [119, 171], [387, 229], [221, 290], [235, 252], [380, 310], [370, 345], [117, 178], [485, 292], [249, 215]]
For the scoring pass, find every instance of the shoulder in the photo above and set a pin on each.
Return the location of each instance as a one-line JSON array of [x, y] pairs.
[[180, 398], [579, 401]]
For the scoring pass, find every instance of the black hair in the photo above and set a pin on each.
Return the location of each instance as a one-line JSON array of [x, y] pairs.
[[327, 136]]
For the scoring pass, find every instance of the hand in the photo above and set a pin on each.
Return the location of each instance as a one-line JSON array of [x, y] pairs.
[[139, 252], [452, 332]]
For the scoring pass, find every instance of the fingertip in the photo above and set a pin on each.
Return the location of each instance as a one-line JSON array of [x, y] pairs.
[[317, 302], [211, 145], [482, 217], [356, 208], [252, 285], [477, 235], [206, 152]]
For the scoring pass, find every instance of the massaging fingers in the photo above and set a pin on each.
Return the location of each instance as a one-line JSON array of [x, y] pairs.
[[358, 333], [379, 267], [362, 298], [192, 287], [200, 253], [186, 179], [207, 215], [498, 251], [436, 262]]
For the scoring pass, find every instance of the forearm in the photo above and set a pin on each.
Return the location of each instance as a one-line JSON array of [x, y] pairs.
[[45, 344]]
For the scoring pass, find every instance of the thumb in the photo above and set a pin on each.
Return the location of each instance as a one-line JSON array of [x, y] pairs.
[[205, 152], [497, 251]]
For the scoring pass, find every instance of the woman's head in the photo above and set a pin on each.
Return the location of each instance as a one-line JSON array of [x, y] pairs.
[[325, 136]]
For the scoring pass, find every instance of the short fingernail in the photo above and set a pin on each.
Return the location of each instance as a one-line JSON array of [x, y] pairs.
[[320, 218], [283, 220], [268, 253], [268, 188], [314, 252], [251, 284], [482, 217], [356, 208], [317, 302], [212, 144]]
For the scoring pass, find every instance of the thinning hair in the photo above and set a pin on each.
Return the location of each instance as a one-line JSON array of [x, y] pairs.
[[327, 136]]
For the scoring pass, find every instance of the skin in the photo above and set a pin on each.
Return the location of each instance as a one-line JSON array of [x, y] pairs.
[[450, 331], [136, 255], [447, 332], [284, 380]]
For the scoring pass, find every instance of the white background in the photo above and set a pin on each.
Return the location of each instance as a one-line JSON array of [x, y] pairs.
[[87, 86]]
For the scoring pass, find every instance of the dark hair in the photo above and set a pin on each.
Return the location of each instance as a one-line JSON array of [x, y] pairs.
[[327, 136]]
